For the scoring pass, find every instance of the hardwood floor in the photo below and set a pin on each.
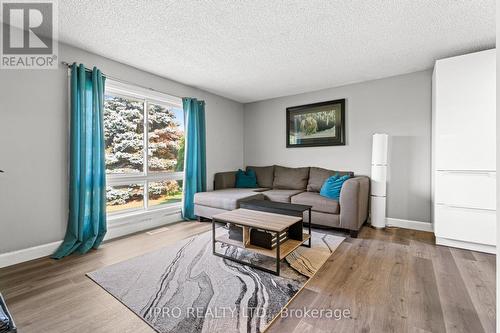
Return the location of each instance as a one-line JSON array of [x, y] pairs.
[[392, 280]]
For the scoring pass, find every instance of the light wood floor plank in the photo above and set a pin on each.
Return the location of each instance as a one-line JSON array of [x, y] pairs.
[[459, 312], [426, 314], [477, 276], [396, 297]]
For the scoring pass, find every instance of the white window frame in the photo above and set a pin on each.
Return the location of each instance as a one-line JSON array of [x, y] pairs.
[[148, 96]]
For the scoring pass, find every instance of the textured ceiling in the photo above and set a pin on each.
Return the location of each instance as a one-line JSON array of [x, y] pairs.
[[253, 50]]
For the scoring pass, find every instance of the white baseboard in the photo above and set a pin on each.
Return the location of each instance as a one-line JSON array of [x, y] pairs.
[[116, 228], [408, 224], [16, 257], [466, 245]]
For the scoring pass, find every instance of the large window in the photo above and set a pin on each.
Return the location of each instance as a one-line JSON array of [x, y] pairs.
[[144, 134]]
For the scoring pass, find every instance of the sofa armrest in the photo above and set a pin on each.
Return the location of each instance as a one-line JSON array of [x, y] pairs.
[[354, 202], [224, 180]]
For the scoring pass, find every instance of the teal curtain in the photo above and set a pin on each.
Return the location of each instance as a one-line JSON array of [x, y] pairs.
[[195, 164], [87, 184]]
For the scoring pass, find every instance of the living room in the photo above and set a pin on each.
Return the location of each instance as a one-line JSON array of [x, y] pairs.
[[248, 166]]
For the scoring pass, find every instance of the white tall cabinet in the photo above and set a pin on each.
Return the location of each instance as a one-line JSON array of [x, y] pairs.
[[463, 146]]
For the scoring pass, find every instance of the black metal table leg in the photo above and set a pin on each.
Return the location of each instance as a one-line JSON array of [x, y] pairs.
[[310, 221], [213, 236], [278, 253], [309, 229]]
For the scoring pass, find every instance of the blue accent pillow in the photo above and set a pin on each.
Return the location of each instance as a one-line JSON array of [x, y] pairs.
[[332, 186], [246, 179]]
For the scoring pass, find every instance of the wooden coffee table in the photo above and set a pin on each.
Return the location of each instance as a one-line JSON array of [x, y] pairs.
[[271, 222]]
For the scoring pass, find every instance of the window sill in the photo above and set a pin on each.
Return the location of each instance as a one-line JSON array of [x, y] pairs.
[[138, 221], [142, 215]]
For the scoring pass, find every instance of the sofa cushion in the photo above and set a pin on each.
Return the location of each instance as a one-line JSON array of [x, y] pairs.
[[224, 180], [265, 175], [227, 199], [245, 179], [318, 202], [317, 177], [280, 195], [290, 178]]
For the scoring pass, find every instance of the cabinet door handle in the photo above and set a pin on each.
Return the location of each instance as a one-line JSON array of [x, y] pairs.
[[471, 172], [468, 208]]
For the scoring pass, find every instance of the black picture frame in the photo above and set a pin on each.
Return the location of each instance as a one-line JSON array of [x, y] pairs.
[[293, 120]]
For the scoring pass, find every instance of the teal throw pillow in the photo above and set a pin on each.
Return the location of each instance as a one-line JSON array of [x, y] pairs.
[[332, 186], [246, 179]]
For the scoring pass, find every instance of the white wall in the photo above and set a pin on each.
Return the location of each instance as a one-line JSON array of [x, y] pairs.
[[33, 143], [399, 106], [34, 130]]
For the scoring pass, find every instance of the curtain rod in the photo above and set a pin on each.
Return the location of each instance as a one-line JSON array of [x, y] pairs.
[[122, 81]]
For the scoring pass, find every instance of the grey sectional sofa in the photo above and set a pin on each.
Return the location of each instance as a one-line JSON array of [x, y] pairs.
[[295, 185]]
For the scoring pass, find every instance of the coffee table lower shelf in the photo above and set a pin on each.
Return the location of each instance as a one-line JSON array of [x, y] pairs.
[[286, 247], [280, 252]]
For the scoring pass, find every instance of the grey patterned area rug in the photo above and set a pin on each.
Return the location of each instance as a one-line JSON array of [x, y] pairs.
[[185, 288]]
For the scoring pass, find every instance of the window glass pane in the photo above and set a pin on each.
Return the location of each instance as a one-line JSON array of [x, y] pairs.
[[165, 192], [123, 132], [166, 138], [121, 197]]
